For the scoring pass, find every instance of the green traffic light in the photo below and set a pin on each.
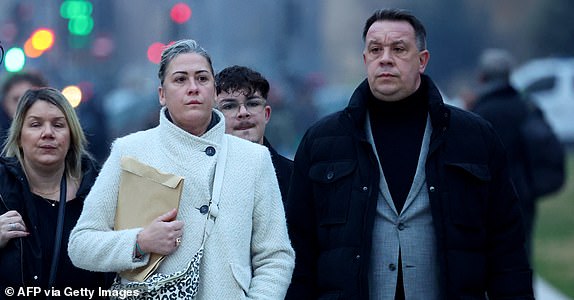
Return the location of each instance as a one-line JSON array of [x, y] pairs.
[[81, 25], [14, 60], [72, 9], [79, 15]]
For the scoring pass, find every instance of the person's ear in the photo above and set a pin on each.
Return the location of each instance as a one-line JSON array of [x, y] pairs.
[[161, 95], [424, 57], [267, 112]]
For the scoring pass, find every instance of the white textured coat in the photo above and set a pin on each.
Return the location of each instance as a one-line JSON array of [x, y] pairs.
[[248, 252]]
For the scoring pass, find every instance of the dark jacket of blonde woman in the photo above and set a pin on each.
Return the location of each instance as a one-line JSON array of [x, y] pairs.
[[26, 262]]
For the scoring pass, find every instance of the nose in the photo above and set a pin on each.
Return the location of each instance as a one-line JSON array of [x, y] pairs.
[[48, 131], [386, 57], [242, 111], [193, 87]]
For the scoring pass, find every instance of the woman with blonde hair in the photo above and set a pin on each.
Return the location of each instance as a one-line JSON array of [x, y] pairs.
[[45, 174]]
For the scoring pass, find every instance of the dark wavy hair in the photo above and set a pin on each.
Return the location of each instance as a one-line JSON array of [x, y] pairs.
[[241, 79]]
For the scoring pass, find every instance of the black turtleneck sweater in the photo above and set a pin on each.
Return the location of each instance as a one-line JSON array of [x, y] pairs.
[[398, 128]]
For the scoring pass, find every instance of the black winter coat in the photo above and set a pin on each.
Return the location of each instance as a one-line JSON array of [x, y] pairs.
[[506, 110], [283, 168], [333, 195], [22, 260]]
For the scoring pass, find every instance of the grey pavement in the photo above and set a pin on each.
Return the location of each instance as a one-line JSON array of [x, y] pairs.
[[544, 291]]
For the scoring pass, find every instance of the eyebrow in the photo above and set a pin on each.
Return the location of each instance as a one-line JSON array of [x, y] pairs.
[[247, 98], [187, 73], [376, 42], [401, 41], [228, 100], [33, 117]]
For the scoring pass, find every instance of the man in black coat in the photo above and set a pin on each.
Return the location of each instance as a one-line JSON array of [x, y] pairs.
[[242, 98], [504, 107], [399, 196]]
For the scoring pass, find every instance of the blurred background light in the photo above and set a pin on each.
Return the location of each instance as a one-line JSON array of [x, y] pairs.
[[15, 59], [42, 39], [154, 52], [180, 13], [79, 15], [103, 47], [81, 25], [30, 51], [74, 95], [71, 9]]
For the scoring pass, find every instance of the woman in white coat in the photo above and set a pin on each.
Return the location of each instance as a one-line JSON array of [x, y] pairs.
[[247, 253]]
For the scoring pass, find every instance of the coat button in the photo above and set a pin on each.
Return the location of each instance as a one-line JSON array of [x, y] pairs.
[[35, 277], [432, 189], [392, 267], [210, 151], [330, 175], [365, 189], [203, 209], [214, 210], [401, 226]]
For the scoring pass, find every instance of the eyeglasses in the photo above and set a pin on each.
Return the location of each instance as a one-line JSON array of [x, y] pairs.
[[232, 107]]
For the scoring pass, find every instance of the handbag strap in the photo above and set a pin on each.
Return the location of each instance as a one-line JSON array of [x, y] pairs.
[[59, 231], [216, 192]]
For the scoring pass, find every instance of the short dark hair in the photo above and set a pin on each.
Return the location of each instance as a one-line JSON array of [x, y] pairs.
[[239, 78], [396, 14], [35, 79]]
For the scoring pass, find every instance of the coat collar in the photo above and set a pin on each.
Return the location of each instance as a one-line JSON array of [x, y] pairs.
[[268, 145], [90, 170], [175, 139], [494, 90], [357, 108]]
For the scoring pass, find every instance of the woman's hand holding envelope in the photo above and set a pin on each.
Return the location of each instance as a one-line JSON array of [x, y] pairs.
[[162, 235]]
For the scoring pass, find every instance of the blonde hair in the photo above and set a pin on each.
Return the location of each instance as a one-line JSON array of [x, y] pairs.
[[78, 140]]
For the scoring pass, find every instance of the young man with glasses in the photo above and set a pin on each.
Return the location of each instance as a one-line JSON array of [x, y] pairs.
[[241, 97]]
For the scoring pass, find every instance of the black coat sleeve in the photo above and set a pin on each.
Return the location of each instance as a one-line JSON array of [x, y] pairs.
[[301, 222]]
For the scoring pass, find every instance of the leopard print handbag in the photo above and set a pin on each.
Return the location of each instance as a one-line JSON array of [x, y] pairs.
[[182, 284], [178, 285]]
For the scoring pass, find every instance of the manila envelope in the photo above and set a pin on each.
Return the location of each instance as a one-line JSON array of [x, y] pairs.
[[145, 194]]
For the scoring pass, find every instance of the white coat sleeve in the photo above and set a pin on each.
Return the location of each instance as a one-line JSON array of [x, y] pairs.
[[272, 257], [93, 244]]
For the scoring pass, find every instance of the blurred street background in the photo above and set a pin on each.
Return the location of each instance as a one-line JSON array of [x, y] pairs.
[[106, 52]]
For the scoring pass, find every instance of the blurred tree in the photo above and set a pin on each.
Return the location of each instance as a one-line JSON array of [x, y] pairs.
[[456, 31], [551, 28]]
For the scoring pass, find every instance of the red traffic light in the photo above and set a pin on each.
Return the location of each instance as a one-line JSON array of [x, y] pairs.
[[154, 52], [180, 13]]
